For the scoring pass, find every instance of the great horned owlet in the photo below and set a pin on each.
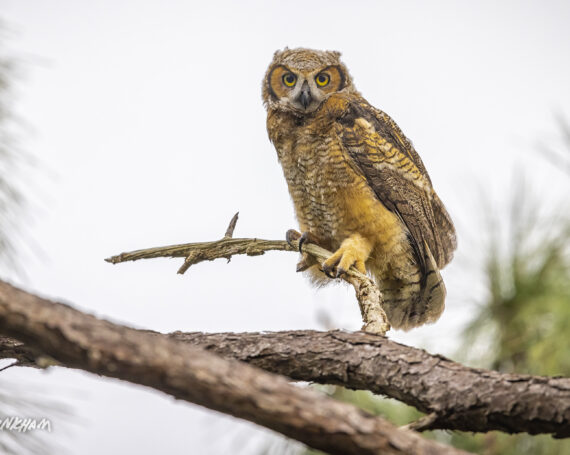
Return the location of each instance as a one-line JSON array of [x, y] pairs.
[[358, 186]]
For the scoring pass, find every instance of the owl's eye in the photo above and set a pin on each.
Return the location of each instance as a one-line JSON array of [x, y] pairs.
[[289, 79], [322, 79]]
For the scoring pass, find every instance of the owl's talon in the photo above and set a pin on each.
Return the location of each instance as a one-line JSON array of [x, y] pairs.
[[292, 236], [330, 269], [306, 237], [328, 272], [340, 272]]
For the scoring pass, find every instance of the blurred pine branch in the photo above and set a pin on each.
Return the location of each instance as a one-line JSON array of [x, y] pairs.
[[12, 159], [12, 207]]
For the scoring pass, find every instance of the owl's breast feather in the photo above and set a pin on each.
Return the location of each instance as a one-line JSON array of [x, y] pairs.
[[331, 199]]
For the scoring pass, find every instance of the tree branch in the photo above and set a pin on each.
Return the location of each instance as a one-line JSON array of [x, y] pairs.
[[462, 398], [457, 397], [14, 349], [78, 340], [367, 293]]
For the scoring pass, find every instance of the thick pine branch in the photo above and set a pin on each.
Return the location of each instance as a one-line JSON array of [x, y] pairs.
[[461, 398], [455, 396], [79, 340]]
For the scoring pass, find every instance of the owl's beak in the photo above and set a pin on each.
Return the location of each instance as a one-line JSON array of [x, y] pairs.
[[305, 96]]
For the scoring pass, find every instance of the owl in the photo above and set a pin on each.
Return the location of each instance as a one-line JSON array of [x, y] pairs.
[[358, 186]]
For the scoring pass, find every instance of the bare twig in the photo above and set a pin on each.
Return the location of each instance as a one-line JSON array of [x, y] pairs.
[[423, 423], [79, 340], [367, 293], [205, 251], [190, 259], [230, 230], [16, 363], [15, 349]]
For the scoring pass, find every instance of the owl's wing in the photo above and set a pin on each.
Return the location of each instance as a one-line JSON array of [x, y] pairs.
[[376, 147]]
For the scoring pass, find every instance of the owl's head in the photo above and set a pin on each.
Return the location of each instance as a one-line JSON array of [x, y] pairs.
[[299, 80]]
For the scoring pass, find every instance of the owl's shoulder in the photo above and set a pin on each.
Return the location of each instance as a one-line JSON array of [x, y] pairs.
[[357, 121], [341, 105], [347, 109]]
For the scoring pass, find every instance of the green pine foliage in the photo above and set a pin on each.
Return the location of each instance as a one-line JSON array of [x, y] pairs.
[[524, 319]]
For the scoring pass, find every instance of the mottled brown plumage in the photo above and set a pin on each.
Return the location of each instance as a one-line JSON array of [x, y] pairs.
[[358, 186]]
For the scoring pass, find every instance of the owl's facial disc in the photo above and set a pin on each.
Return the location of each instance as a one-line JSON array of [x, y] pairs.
[[299, 81]]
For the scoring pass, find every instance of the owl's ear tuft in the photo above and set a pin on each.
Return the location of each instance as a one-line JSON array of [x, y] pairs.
[[280, 52]]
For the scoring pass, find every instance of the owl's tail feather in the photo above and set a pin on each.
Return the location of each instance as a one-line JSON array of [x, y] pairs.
[[417, 299]]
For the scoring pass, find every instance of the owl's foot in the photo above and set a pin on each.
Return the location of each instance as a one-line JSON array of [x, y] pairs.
[[306, 237], [353, 251], [306, 259], [292, 236]]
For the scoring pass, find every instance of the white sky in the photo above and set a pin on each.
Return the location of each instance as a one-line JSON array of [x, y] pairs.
[[149, 129]]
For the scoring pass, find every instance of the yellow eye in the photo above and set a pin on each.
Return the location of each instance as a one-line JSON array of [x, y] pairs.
[[289, 79], [322, 79]]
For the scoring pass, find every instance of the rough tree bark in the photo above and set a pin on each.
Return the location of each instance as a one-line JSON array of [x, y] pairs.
[[461, 398], [79, 340], [456, 397]]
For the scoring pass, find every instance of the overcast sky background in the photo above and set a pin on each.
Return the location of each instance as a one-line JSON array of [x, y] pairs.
[[145, 118]]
